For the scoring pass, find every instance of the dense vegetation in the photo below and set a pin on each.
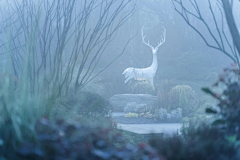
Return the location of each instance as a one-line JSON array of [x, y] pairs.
[[60, 139]]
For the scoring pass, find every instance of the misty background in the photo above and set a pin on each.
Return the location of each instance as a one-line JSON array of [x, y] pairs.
[[184, 56], [62, 90]]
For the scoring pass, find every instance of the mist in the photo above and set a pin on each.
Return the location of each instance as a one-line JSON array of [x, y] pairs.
[[119, 79]]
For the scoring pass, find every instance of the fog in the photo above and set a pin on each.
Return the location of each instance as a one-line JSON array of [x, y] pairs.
[[184, 56], [79, 78]]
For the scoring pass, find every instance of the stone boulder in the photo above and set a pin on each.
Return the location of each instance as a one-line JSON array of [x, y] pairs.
[[120, 101]]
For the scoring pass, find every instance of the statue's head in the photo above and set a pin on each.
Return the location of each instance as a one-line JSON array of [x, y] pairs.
[[154, 50]]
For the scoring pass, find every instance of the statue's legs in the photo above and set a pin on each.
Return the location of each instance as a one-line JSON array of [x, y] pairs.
[[151, 82]]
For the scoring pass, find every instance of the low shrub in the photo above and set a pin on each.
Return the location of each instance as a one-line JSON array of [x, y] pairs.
[[195, 142], [173, 116], [133, 107], [131, 115], [133, 138], [92, 104], [62, 140], [198, 118], [147, 115], [89, 108]]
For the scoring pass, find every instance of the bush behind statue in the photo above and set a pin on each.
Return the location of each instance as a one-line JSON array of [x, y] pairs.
[[180, 96], [141, 87]]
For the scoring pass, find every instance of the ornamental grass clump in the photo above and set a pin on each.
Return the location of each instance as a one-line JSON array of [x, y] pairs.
[[20, 109], [23, 100]]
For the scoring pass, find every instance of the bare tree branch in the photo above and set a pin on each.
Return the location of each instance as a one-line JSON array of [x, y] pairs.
[[61, 41], [223, 42]]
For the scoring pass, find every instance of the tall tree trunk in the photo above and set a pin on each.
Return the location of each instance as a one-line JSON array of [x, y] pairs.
[[231, 24]]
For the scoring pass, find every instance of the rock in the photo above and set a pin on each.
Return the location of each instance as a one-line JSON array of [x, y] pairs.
[[119, 101]]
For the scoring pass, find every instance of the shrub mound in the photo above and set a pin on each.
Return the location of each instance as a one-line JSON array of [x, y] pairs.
[[180, 96], [89, 108], [142, 87], [185, 97]]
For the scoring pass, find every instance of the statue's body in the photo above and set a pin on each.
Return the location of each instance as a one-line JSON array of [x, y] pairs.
[[142, 73], [148, 73]]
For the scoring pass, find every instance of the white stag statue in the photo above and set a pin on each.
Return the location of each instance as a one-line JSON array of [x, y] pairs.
[[149, 72]]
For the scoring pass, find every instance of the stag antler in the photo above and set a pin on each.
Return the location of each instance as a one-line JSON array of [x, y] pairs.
[[159, 43], [143, 39], [162, 38]]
